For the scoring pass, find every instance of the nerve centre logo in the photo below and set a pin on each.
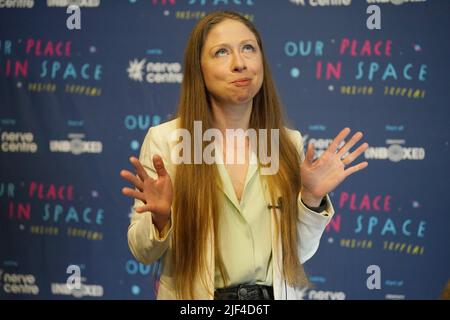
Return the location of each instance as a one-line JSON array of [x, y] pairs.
[[154, 72]]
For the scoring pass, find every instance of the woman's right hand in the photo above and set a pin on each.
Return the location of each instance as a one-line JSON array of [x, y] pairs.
[[157, 194]]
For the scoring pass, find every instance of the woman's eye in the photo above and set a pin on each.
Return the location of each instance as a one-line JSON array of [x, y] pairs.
[[249, 48], [220, 52]]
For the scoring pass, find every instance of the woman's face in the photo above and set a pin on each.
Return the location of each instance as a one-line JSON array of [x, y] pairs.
[[231, 63]]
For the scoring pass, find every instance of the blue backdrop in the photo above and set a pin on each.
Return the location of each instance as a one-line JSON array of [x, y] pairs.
[[75, 104]]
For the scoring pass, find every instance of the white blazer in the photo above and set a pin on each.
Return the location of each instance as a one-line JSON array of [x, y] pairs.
[[148, 246]]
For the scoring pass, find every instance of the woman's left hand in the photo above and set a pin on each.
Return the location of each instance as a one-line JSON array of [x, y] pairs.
[[329, 170]]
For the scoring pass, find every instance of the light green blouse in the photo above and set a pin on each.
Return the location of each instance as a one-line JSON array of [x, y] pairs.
[[244, 230]]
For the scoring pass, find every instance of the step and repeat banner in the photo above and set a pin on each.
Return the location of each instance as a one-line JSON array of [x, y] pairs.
[[76, 103]]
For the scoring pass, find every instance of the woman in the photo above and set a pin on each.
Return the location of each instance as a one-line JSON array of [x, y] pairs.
[[226, 231]]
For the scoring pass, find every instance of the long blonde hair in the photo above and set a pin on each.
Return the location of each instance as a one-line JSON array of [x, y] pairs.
[[195, 206]]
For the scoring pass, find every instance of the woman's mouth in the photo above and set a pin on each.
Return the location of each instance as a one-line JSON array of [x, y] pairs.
[[242, 82]]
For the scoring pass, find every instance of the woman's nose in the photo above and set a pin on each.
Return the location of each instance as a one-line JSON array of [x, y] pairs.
[[238, 63]]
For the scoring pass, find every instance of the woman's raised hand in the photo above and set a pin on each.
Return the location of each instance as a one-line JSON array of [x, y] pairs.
[[323, 175], [156, 194]]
